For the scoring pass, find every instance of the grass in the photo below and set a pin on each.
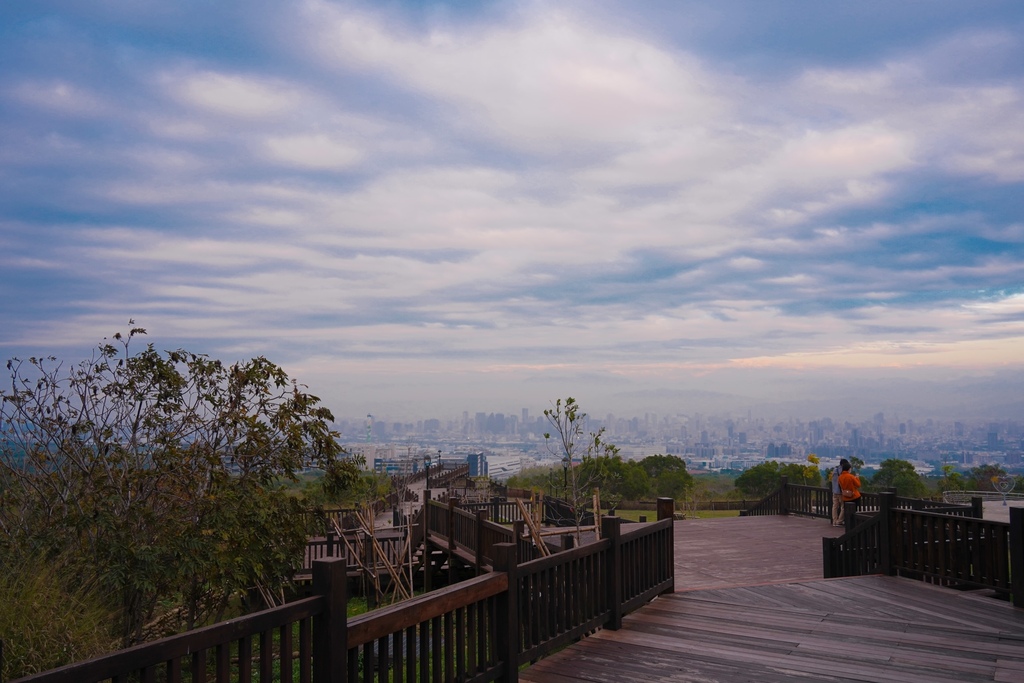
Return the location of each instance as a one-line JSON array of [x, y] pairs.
[[712, 514], [48, 618], [652, 516]]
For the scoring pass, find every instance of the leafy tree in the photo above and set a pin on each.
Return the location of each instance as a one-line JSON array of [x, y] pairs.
[[760, 480], [633, 483], [548, 479], [983, 477], [900, 474], [951, 480], [591, 459], [806, 475], [159, 475], [669, 475]]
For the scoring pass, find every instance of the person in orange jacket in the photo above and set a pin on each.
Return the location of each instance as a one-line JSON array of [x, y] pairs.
[[849, 484]]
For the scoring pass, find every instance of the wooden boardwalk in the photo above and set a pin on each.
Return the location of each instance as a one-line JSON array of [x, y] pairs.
[[774, 620]]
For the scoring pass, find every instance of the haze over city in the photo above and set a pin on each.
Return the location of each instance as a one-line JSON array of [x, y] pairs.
[[804, 208]]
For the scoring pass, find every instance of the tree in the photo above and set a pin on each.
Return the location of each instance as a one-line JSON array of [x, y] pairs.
[[760, 480], [159, 475], [589, 458], [901, 475], [806, 475], [983, 477], [668, 472], [951, 480]]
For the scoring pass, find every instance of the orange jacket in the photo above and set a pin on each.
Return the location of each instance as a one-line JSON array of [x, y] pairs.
[[849, 482]]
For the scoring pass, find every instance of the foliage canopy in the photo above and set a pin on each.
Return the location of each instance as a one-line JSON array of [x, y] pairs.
[[901, 475], [157, 476]]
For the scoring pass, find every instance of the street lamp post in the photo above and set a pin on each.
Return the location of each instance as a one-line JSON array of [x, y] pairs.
[[426, 467], [565, 474]]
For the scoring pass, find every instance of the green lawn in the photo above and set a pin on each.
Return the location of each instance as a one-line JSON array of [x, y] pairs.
[[652, 515]]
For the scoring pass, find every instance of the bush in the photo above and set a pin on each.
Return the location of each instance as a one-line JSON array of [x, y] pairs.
[[49, 618]]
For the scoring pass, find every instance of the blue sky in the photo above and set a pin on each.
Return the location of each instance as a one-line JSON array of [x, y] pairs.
[[419, 209]]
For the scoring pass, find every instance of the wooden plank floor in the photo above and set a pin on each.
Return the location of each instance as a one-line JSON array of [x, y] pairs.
[[733, 551], [776, 628]]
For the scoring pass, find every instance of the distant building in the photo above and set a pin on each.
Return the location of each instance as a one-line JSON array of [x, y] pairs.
[[477, 464]]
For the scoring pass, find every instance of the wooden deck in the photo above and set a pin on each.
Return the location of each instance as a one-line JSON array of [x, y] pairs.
[[746, 612]]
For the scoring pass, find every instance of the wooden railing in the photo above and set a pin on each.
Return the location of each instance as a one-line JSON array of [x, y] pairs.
[[501, 510], [472, 535], [391, 544], [553, 511], [482, 629], [287, 642], [942, 548], [816, 501], [441, 478]]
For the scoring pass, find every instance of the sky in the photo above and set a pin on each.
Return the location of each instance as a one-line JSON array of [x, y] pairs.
[[813, 208]]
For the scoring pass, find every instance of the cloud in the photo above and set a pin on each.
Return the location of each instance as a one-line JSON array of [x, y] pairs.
[[380, 191], [313, 151], [234, 95], [549, 83]]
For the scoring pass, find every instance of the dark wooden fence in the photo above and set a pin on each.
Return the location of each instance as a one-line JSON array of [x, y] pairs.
[[390, 542], [471, 535], [501, 510], [946, 548], [441, 478], [478, 630], [816, 501], [553, 511]]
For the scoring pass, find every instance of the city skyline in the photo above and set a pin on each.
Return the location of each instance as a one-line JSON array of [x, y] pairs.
[[797, 209]]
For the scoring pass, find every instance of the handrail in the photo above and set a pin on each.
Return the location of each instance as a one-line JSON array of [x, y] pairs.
[[215, 647], [950, 549], [816, 501], [482, 629], [958, 497]]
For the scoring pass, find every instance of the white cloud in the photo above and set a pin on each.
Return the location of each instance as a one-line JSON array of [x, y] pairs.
[[234, 95], [63, 97], [313, 151], [537, 192], [550, 82]]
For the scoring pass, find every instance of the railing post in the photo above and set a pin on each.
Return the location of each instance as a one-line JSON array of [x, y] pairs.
[[481, 517], [330, 543], [330, 628], [610, 529], [451, 525], [428, 564], [507, 645], [827, 546], [517, 530], [977, 507], [849, 515], [885, 505], [784, 495], [1017, 556], [451, 540], [666, 508], [370, 576]]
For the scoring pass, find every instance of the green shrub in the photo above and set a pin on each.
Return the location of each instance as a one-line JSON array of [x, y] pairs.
[[49, 618]]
